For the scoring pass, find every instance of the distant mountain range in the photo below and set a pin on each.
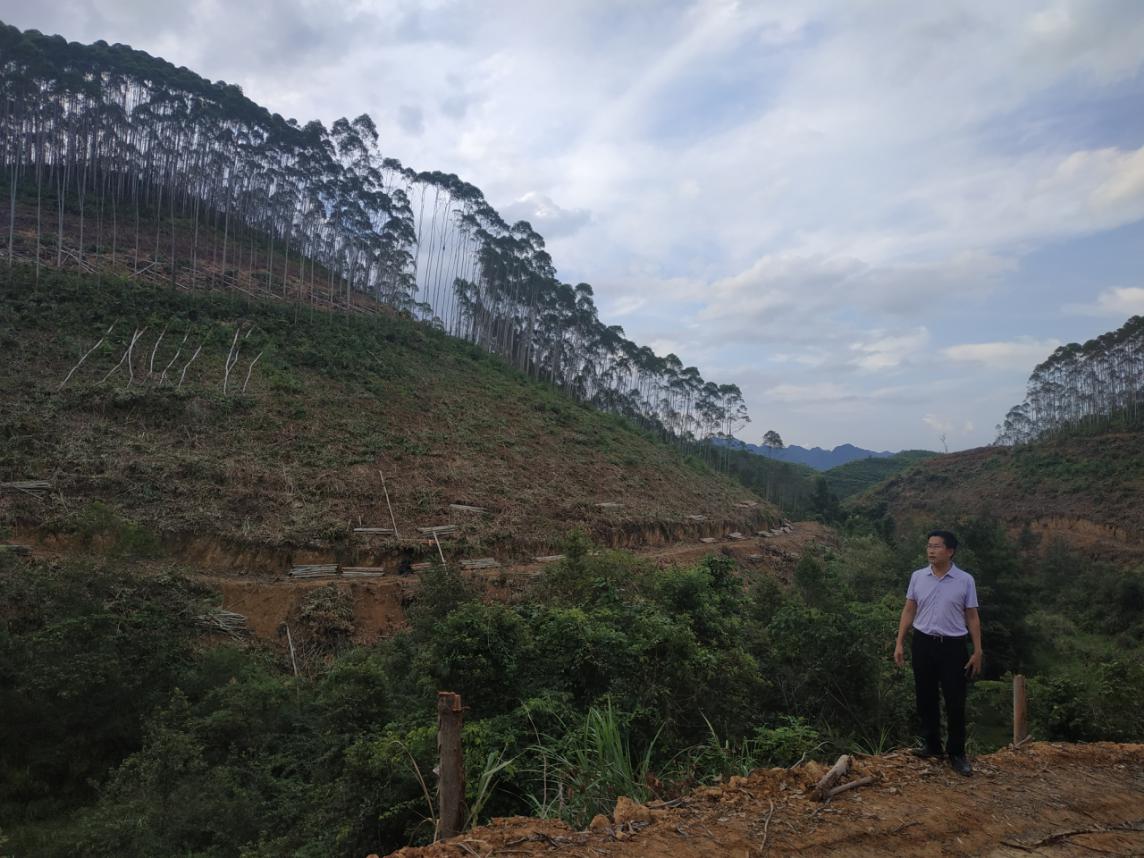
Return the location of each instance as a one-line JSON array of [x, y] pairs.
[[815, 457]]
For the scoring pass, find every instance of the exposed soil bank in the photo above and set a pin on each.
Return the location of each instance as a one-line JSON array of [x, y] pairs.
[[1045, 799]]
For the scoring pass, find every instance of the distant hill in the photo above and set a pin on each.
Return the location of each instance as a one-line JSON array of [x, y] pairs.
[[814, 457], [1084, 490], [861, 474]]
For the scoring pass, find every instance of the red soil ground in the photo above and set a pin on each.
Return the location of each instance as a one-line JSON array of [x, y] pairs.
[[1043, 799]]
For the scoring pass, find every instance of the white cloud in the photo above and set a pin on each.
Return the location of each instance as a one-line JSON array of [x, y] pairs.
[[1020, 353], [544, 215], [823, 391], [804, 186], [624, 306], [1117, 303], [938, 423], [887, 352]]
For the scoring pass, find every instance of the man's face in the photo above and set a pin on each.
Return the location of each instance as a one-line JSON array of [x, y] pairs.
[[937, 553]]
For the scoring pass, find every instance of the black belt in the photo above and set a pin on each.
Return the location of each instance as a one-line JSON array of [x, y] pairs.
[[940, 638]]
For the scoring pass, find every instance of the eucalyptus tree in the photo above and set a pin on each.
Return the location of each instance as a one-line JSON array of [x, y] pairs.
[[154, 169], [1092, 385]]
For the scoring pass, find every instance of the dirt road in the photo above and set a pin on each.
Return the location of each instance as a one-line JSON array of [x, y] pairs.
[[1045, 799]]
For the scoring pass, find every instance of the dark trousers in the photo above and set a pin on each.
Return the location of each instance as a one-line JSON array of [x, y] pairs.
[[940, 663]]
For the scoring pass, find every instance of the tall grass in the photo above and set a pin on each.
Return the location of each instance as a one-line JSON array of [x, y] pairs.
[[584, 773]]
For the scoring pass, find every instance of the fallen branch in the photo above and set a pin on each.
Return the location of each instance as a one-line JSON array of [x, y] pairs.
[[461, 507], [85, 356], [250, 369], [187, 365], [171, 363], [225, 621], [766, 825], [231, 358], [314, 570], [821, 790], [481, 563], [28, 486], [134, 338], [861, 782], [131, 359], [1073, 832], [154, 351]]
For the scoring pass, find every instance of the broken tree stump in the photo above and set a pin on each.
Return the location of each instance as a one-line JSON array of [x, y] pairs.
[[451, 768], [821, 791]]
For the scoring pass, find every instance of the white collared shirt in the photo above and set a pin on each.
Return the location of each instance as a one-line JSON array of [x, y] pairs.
[[942, 601]]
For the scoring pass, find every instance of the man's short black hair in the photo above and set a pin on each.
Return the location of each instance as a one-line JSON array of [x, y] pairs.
[[948, 538]]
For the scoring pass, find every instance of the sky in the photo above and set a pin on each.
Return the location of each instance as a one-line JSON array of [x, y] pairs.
[[874, 217]]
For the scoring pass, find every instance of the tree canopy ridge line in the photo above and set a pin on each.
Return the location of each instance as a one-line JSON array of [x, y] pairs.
[[1089, 385], [115, 136]]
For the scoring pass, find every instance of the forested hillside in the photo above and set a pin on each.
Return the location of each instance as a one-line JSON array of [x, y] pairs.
[[1079, 490], [241, 353], [116, 161], [1092, 387], [855, 477], [205, 419]]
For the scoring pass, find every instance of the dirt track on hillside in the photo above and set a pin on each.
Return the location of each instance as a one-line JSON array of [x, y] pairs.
[[1044, 799], [379, 604]]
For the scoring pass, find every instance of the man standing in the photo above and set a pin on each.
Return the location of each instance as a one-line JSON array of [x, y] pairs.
[[941, 605]]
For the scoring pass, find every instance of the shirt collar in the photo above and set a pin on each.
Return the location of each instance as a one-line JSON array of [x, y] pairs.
[[952, 573]]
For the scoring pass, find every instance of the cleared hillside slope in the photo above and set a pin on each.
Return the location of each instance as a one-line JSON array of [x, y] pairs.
[[1087, 490], [332, 401]]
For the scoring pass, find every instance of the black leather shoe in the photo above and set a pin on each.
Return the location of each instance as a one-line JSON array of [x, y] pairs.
[[926, 753], [961, 766]]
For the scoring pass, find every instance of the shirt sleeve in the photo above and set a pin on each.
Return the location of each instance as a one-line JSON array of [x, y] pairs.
[[970, 593], [910, 594]]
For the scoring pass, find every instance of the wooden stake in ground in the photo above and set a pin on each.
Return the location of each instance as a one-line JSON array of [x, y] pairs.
[[451, 769], [392, 520], [1020, 710], [293, 661]]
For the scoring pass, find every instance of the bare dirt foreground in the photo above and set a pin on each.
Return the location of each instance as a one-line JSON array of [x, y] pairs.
[[1044, 799]]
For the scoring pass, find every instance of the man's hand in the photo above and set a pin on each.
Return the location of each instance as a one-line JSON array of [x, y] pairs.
[[973, 666], [899, 654]]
